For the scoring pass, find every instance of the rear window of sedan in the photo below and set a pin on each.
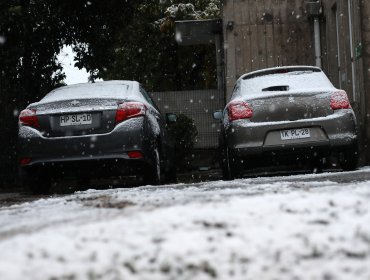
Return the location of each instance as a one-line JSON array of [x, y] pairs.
[[294, 81], [100, 90]]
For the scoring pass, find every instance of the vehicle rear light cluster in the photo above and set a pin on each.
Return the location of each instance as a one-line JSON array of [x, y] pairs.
[[239, 110], [129, 110], [28, 117], [25, 161], [339, 100], [135, 154]]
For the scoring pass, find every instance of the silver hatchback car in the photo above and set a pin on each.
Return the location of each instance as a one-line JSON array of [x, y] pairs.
[[286, 117]]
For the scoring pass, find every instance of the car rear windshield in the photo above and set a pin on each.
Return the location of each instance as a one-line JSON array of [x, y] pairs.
[[294, 81], [86, 91]]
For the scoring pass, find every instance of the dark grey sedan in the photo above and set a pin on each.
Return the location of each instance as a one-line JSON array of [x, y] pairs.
[[284, 118], [95, 130]]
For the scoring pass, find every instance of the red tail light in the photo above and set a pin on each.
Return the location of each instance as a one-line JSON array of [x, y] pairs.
[[239, 110], [129, 110], [135, 154], [339, 100], [25, 161], [29, 117]]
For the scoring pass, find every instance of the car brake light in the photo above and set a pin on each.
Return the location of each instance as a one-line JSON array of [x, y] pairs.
[[29, 117], [339, 100], [24, 161], [135, 154], [129, 110], [239, 110]]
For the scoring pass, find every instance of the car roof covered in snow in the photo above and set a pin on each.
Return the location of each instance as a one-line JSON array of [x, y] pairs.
[[279, 70], [282, 80]]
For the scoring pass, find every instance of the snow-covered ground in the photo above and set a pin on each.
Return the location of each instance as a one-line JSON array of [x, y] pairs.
[[298, 227]]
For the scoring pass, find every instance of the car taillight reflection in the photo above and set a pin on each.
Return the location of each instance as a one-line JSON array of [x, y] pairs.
[[339, 100], [28, 117], [239, 110], [129, 110]]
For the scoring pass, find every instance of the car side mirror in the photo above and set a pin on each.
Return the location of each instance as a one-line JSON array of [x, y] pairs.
[[171, 118], [217, 115]]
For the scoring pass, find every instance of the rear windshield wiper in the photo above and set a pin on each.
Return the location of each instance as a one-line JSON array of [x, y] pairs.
[[276, 88]]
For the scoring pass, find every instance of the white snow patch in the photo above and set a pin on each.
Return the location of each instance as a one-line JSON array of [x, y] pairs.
[[244, 229]]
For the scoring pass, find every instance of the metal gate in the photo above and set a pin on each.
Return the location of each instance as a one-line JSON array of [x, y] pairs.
[[198, 105]]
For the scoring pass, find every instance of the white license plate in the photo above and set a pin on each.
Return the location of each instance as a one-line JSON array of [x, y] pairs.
[[77, 119], [295, 133]]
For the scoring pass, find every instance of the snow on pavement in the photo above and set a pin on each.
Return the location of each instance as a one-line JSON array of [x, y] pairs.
[[243, 229]]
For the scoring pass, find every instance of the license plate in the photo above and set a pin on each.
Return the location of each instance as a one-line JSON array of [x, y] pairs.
[[77, 119], [295, 133]]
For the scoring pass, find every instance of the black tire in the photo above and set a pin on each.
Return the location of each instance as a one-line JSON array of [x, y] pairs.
[[225, 165], [230, 166], [39, 184], [349, 159], [170, 174], [234, 168], [225, 169], [83, 183], [152, 176], [317, 165]]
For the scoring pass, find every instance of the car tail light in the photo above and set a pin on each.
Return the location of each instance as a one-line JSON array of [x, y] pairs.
[[239, 110], [129, 110], [339, 100], [135, 154], [29, 117], [24, 161]]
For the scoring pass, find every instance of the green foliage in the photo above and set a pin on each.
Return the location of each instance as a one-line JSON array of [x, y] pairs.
[[142, 47], [30, 38], [185, 135], [208, 10]]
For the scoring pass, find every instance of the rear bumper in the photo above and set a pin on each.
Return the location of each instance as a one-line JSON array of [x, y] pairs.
[[92, 169], [113, 146], [330, 133]]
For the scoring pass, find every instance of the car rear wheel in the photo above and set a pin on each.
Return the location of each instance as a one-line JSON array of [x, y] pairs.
[[83, 182], [235, 168], [225, 169], [152, 175], [231, 168], [349, 159], [225, 165], [170, 175], [37, 184]]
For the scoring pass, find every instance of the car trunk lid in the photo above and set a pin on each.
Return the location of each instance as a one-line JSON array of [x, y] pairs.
[[77, 117], [290, 106]]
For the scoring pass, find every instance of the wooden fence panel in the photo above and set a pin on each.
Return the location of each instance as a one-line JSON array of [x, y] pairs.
[[266, 33]]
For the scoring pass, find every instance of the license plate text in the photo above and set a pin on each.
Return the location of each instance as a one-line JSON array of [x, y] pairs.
[[78, 119], [295, 133]]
